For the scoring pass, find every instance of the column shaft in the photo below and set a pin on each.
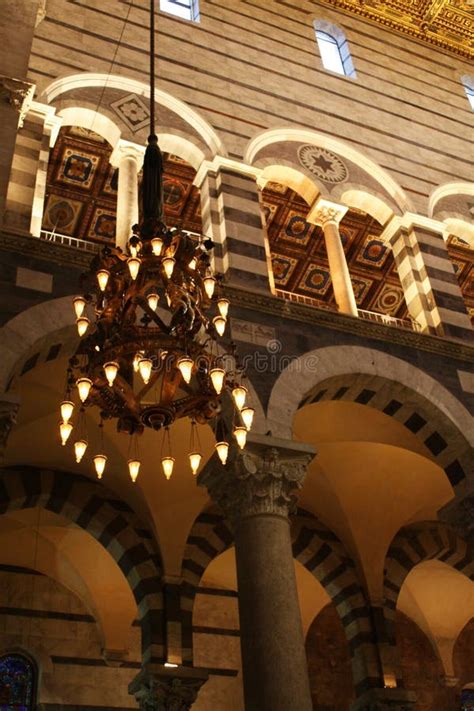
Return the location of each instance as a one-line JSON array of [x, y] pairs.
[[127, 199], [254, 490], [340, 276], [273, 652]]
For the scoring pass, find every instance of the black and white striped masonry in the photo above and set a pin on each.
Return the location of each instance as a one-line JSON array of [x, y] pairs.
[[231, 215], [112, 523]]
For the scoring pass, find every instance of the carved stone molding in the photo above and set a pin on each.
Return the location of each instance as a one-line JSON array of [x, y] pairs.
[[18, 94], [259, 480], [158, 688], [8, 414]]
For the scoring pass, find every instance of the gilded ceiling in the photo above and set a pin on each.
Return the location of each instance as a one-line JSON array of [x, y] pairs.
[[449, 24]]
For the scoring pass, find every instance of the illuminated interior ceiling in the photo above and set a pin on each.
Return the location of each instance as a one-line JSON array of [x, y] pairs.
[[299, 255], [81, 198], [300, 264], [447, 24], [81, 191]]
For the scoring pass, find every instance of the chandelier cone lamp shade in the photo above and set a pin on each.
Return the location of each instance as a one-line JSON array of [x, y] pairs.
[[150, 350]]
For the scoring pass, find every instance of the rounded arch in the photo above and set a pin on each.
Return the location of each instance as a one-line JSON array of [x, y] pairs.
[[446, 190], [285, 134], [31, 331], [92, 120], [356, 196], [95, 509], [360, 374], [419, 542], [321, 552], [73, 82]]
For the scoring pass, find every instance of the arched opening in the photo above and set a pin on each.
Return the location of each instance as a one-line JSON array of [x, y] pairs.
[[300, 264], [82, 184]]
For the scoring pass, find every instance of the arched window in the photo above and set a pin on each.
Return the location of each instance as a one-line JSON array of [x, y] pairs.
[[468, 83], [17, 683], [186, 9], [333, 48]]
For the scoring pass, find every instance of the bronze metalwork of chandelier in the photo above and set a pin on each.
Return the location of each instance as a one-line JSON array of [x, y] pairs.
[[149, 320]]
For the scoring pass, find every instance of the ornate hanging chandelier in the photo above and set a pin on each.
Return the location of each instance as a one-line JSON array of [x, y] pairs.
[[149, 321]]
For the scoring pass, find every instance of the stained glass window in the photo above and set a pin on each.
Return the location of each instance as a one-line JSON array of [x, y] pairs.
[[467, 700], [17, 683]]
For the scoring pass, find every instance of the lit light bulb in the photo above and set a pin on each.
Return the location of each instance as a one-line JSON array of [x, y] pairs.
[[136, 360], [144, 366], [102, 278], [222, 449], [223, 306], [209, 286], [217, 376], [82, 324], [239, 393], [185, 365], [67, 408], [195, 461], [134, 248], [111, 369], [168, 266], [83, 386], [240, 434], [157, 246], [167, 463], [133, 468], [153, 301], [219, 324], [193, 263], [79, 304], [247, 414], [80, 449], [133, 266], [100, 461], [65, 429]]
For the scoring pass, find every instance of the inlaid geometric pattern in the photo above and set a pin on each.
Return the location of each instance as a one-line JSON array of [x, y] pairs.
[[81, 190], [299, 255]]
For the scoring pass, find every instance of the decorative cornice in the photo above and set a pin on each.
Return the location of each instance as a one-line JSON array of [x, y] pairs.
[[348, 324], [259, 480], [49, 251], [268, 304]]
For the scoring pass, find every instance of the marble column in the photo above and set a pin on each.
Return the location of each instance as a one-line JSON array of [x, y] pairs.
[[254, 491], [128, 158], [161, 688], [328, 215]]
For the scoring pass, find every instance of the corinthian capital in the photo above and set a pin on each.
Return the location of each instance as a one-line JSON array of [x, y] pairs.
[[260, 480], [127, 149], [324, 212], [157, 688]]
